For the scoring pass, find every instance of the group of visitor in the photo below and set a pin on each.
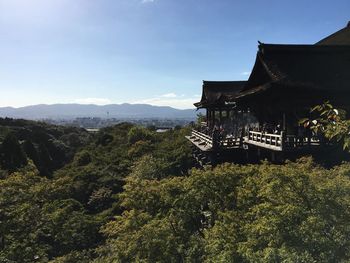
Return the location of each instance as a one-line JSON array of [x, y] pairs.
[[219, 132], [267, 128]]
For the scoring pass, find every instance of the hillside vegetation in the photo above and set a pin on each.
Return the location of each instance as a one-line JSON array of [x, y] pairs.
[[128, 194]]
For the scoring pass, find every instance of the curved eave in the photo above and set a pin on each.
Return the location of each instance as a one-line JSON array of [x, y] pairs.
[[227, 105]]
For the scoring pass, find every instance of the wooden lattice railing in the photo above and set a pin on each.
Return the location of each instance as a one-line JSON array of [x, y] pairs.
[[202, 138], [276, 142], [266, 140], [279, 142]]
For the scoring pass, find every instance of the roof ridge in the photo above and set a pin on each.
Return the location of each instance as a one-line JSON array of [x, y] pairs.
[[334, 37], [300, 46], [223, 81]]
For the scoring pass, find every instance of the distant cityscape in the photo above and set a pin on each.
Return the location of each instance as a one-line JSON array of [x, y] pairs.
[[97, 123]]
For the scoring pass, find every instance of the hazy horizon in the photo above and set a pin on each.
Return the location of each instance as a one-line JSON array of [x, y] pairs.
[[94, 104]]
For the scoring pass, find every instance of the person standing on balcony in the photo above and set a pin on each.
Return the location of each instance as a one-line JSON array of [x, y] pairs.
[[215, 137], [278, 129], [300, 135]]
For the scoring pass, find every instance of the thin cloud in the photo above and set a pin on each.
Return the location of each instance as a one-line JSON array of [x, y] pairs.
[[169, 95], [246, 73], [147, 1], [175, 102], [97, 101]]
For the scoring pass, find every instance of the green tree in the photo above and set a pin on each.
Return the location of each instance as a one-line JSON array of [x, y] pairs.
[[13, 156], [139, 133], [297, 212], [331, 123], [39, 220], [82, 158]]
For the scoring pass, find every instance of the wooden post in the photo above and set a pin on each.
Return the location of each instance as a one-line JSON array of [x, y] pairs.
[[213, 118], [207, 118], [273, 156], [210, 118], [220, 116]]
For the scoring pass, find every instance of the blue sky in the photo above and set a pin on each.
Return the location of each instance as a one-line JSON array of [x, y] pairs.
[[144, 51]]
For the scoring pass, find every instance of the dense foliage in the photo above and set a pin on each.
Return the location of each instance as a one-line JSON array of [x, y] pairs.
[[256, 213], [55, 212], [330, 122], [49, 147], [129, 194]]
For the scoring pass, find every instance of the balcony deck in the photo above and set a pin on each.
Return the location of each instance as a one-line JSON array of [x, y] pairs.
[[205, 142], [200, 140], [265, 140], [273, 142]]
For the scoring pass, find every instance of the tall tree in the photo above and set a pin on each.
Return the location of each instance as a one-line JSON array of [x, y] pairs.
[[13, 156]]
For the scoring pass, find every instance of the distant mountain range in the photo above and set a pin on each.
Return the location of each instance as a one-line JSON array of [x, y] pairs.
[[70, 111]]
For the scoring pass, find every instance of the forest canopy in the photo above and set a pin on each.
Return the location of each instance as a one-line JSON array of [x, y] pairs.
[[129, 194]]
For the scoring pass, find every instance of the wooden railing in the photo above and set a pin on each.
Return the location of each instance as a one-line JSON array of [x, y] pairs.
[[202, 138], [292, 141], [276, 142], [230, 142], [279, 142], [265, 140]]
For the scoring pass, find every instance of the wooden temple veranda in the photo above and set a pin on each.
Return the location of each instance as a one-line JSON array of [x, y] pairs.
[[259, 118]]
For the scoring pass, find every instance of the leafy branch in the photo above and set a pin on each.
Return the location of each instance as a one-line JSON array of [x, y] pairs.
[[331, 123]]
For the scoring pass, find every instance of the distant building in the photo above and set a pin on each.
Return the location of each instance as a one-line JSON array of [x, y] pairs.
[[262, 114]]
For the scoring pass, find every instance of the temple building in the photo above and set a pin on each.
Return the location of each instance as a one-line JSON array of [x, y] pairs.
[[260, 117]]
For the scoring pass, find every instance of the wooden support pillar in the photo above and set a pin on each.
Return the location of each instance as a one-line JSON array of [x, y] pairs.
[[220, 116], [273, 156], [213, 117], [207, 118], [283, 139], [210, 123]]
